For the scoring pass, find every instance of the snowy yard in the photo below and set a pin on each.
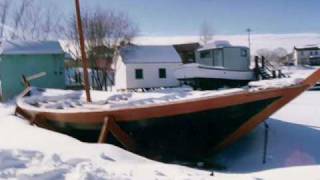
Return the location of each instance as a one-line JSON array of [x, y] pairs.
[[28, 152]]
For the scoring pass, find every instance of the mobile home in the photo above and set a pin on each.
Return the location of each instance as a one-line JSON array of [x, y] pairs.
[[217, 65]]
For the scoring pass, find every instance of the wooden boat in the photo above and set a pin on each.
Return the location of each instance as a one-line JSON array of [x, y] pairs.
[[183, 129]]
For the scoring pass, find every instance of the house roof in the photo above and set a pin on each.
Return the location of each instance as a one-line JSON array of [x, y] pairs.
[[186, 47], [149, 54], [30, 47], [308, 47], [218, 44]]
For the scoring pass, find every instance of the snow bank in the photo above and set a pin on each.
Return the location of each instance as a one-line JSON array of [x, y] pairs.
[[296, 76], [28, 152], [293, 145]]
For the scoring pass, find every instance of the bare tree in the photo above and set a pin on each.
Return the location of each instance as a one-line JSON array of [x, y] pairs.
[[105, 31], [30, 20], [4, 9], [206, 33], [18, 16], [275, 57]]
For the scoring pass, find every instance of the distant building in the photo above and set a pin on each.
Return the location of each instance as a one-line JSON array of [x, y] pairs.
[[187, 52], [223, 54], [146, 67], [28, 58], [288, 60], [218, 64], [307, 55]]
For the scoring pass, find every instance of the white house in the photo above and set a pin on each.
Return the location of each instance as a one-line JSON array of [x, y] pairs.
[[309, 54], [146, 67]]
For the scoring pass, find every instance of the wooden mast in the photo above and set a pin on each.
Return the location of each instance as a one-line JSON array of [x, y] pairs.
[[83, 53]]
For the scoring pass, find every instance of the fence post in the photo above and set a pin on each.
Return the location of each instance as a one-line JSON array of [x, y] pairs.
[[256, 61], [263, 63], [279, 73], [274, 74]]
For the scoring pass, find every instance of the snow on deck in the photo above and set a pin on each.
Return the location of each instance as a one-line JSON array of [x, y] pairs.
[[74, 101], [66, 101]]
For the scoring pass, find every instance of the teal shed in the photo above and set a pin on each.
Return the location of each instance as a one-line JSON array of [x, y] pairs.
[[28, 58]]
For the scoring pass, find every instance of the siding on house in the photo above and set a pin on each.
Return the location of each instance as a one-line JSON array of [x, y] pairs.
[[120, 74], [149, 59], [233, 58], [14, 66], [303, 55], [227, 57], [151, 75], [27, 58]]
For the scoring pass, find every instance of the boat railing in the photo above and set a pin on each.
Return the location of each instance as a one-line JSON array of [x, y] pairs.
[[265, 70]]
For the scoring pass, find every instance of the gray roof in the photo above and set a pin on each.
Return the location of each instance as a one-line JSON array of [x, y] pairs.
[[30, 47], [308, 47], [149, 54], [218, 44]]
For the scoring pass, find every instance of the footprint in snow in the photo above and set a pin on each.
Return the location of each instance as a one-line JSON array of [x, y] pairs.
[[105, 157]]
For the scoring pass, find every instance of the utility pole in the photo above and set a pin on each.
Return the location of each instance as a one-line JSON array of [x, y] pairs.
[[83, 52], [249, 38]]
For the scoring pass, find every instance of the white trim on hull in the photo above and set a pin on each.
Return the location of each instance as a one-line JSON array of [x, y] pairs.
[[189, 71]]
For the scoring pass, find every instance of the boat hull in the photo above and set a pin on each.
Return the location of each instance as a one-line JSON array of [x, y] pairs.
[[186, 128], [179, 137]]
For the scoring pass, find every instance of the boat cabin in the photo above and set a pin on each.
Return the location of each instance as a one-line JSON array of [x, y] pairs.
[[223, 54]]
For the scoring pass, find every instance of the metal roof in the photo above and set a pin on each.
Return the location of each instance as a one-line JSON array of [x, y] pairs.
[[149, 54], [30, 47]]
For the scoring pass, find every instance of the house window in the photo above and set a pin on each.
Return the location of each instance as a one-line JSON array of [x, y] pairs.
[[139, 73], [301, 53], [162, 73], [205, 54], [244, 53], [316, 53], [311, 53]]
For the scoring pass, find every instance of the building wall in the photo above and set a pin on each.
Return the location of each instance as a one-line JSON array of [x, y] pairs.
[[150, 75], [302, 56], [205, 61], [120, 74], [234, 60], [12, 67], [230, 58]]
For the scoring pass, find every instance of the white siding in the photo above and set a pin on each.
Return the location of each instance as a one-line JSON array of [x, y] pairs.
[[120, 74], [151, 75], [303, 56], [234, 60]]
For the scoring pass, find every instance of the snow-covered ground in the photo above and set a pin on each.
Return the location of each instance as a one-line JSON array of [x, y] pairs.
[[293, 144], [28, 152]]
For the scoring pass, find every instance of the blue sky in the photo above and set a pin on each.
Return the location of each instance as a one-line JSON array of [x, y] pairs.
[[184, 17]]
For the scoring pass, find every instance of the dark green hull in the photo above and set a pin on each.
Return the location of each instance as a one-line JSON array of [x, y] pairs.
[[182, 136]]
